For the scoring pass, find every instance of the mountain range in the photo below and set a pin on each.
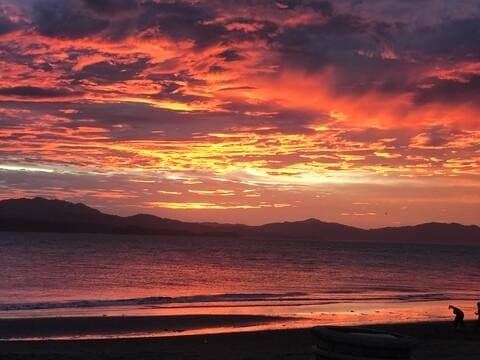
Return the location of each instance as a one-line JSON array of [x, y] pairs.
[[44, 215]]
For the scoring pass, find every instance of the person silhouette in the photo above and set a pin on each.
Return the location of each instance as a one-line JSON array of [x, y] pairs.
[[459, 315], [477, 325]]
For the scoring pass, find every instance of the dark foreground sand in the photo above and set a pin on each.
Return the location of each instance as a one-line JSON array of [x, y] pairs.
[[118, 325], [437, 341]]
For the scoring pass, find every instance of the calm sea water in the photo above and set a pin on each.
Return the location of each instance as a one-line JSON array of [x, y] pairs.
[[45, 274]]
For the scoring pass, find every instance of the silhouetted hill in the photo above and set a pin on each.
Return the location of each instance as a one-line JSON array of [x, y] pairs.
[[42, 215], [429, 232], [310, 228], [43, 209]]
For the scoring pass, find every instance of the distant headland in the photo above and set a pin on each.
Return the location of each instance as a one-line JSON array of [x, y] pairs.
[[44, 215]]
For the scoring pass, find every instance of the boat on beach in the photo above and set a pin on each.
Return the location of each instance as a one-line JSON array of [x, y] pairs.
[[346, 343]]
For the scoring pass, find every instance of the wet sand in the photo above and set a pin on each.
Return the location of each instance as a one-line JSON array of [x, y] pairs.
[[437, 340]]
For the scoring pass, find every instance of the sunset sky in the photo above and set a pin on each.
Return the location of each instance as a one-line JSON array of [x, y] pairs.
[[360, 112]]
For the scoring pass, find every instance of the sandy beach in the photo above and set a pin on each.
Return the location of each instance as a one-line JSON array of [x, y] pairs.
[[437, 340]]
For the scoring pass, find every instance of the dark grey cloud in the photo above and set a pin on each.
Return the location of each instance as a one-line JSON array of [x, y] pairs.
[[259, 115], [36, 92], [170, 87], [147, 117], [111, 7], [233, 88], [117, 19], [135, 121], [313, 46], [106, 72], [123, 113], [182, 21], [373, 54], [230, 55], [174, 84], [452, 39], [183, 76], [124, 121], [65, 19], [397, 137], [27, 55], [449, 91], [324, 7], [363, 74], [438, 136], [178, 96], [261, 29], [216, 69], [172, 90], [6, 25], [354, 46]]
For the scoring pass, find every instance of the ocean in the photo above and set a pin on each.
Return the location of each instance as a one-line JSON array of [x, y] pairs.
[[53, 274]]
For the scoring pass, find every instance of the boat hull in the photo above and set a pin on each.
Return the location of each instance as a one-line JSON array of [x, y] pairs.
[[343, 343]]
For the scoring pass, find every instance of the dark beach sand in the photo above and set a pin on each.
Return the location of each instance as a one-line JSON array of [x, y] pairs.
[[437, 341], [104, 326]]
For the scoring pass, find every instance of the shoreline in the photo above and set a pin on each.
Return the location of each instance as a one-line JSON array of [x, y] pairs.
[[437, 340], [152, 322]]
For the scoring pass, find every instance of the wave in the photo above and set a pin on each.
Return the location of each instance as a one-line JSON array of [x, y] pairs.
[[152, 300], [247, 299]]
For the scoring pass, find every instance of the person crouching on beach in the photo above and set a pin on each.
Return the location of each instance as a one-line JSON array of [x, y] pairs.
[[459, 315], [477, 325]]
